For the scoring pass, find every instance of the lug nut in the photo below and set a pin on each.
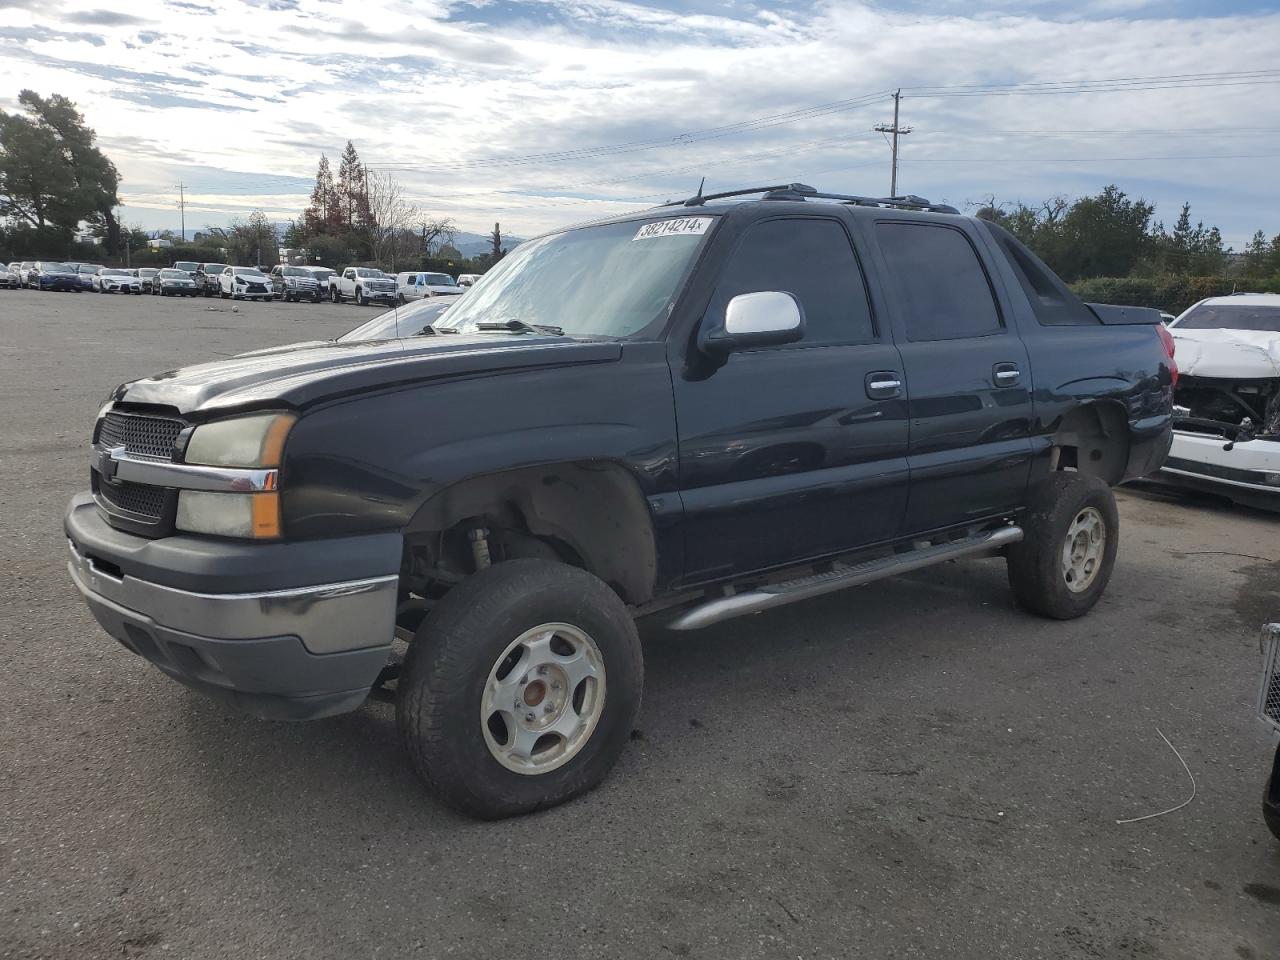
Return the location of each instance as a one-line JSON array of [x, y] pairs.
[[525, 678], [548, 708], [541, 671], [555, 684], [530, 717]]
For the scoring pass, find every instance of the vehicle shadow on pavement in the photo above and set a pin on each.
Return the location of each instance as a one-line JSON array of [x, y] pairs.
[[696, 682]]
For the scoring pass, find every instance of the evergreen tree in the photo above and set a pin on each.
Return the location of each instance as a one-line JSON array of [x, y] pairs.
[[322, 214], [352, 195]]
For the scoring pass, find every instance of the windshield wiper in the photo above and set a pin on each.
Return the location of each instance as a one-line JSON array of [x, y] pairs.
[[431, 330], [516, 325]]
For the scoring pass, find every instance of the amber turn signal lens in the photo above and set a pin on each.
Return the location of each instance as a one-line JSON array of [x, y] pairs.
[[266, 515]]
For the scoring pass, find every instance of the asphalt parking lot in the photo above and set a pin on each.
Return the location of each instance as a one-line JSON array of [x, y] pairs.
[[914, 769]]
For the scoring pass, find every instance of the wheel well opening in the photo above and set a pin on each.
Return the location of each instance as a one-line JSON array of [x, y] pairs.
[[590, 515], [1093, 441]]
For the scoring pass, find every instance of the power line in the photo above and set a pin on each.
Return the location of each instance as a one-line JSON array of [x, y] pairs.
[[1036, 88]]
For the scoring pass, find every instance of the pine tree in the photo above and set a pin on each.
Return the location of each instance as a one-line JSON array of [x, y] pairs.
[[1256, 254], [353, 200], [322, 215]]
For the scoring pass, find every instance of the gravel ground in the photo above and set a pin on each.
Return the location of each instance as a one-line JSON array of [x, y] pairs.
[[916, 769]]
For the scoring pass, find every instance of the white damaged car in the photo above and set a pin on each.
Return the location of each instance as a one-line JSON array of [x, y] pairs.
[[1227, 399]]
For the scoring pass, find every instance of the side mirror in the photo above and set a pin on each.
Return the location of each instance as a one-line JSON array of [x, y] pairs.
[[765, 319]]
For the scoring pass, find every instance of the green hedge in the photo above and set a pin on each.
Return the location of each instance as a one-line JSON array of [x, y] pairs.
[[1172, 293]]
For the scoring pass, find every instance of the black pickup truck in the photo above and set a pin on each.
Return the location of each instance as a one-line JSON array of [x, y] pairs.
[[701, 411]]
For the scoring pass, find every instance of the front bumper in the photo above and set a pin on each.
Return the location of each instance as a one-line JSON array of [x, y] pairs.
[[1200, 462], [289, 631]]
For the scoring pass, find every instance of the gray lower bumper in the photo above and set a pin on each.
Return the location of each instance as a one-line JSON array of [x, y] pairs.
[[296, 652]]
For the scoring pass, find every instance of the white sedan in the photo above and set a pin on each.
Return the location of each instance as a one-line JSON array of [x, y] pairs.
[[244, 283], [112, 280], [1226, 413]]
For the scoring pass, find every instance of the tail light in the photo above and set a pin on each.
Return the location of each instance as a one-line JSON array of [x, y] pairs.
[[1170, 348]]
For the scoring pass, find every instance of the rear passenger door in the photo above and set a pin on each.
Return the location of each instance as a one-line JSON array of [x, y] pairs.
[[796, 451], [967, 375]]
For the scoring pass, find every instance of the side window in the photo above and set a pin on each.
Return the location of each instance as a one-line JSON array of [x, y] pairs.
[[349, 273], [1051, 301], [944, 288], [814, 262]]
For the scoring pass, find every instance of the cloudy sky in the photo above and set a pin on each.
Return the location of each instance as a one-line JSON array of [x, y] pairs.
[[539, 113]]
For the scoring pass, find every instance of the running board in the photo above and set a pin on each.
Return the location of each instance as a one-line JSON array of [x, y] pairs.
[[843, 575]]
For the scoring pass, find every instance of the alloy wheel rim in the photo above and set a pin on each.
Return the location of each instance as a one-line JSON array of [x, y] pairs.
[[543, 698], [1083, 548]]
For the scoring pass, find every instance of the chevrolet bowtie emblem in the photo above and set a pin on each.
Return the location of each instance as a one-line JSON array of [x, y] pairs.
[[109, 462]]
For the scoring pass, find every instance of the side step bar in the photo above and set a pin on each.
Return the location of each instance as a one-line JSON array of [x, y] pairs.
[[844, 575]]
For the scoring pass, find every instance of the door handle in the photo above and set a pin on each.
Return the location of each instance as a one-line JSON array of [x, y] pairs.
[[884, 385], [1006, 374]]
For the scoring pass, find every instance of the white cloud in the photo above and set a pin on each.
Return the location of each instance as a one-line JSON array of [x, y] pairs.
[[436, 87]]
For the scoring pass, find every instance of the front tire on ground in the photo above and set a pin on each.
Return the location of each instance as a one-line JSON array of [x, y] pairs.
[[520, 688], [1072, 530]]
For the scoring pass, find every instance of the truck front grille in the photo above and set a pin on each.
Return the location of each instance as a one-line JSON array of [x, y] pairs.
[[136, 498], [140, 435]]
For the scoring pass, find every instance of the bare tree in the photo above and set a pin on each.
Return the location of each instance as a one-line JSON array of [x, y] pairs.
[[390, 214], [434, 233]]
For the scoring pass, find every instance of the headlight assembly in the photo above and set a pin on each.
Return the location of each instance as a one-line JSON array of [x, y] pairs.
[[252, 442], [249, 443]]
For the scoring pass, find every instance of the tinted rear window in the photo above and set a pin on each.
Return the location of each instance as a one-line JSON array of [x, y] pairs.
[[944, 289], [1053, 304]]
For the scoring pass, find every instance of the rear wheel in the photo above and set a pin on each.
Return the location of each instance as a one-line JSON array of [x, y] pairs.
[[520, 688], [1071, 532]]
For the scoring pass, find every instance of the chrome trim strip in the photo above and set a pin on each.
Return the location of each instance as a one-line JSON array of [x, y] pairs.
[[185, 476], [328, 618]]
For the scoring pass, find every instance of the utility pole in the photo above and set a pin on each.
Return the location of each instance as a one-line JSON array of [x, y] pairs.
[[182, 207], [897, 131]]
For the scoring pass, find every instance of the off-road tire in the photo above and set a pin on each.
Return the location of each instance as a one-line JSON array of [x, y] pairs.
[[1035, 565], [442, 682]]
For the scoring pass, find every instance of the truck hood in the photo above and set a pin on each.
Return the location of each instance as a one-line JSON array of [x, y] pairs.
[[310, 373], [1228, 354]]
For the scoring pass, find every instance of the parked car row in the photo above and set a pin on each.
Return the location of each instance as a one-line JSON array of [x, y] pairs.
[[287, 282]]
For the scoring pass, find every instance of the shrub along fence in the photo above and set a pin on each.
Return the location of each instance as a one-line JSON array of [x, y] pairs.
[[1172, 293]]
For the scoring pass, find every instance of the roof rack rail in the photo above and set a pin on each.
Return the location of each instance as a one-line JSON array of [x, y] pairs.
[[802, 191]]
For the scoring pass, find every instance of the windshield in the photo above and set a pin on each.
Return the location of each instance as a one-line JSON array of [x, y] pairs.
[[115, 273], [1231, 316], [322, 273], [87, 268], [173, 275], [612, 280], [368, 272], [252, 273], [147, 272], [187, 265], [438, 280], [213, 267], [294, 272], [57, 268]]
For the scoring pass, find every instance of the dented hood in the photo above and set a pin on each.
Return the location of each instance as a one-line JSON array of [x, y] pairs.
[[1229, 354]]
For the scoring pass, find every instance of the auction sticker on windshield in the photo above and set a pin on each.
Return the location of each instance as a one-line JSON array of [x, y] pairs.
[[677, 227]]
